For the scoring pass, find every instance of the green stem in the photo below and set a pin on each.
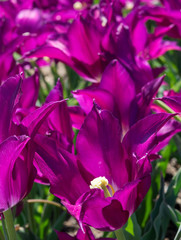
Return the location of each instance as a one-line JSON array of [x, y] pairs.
[[4, 227], [1, 235], [46, 201], [167, 109], [30, 217], [119, 234], [10, 224]]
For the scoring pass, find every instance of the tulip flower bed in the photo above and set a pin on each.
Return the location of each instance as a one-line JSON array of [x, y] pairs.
[[90, 126]]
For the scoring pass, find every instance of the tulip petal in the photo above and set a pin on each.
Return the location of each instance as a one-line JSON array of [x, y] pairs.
[[98, 146], [142, 136], [14, 171], [105, 214], [35, 119], [59, 167], [8, 95], [119, 83]]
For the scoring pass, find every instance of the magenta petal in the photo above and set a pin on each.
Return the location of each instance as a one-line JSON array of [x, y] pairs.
[[143, 165], [64, 236], [102, 154], [86, 235], [132, 194], [141, 105], [14, 172], [52, 49], [58, 50], [77, 116], [117, 41], [30, 90], [105, 214], [86, 97], [35, 119], [166, 133], [84, 41], [142, 136], [119, 83], [40, 178], [29, 20], [139, 36], [59, 167], [59, 119], [158, 47], [8, 94]]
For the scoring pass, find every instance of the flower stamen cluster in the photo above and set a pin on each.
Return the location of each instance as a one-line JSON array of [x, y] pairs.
[[102, 183]]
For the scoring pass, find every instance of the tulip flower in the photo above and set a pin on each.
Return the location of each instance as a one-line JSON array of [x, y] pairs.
[[51, 120], [107, 180], [104, 42], [16, 152], [16, 163], [151, 45], [119, 95], [17, 148]]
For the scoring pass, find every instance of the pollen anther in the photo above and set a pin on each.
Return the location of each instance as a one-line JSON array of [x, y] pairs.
[[99, 182], [77, 5], [102, 183]]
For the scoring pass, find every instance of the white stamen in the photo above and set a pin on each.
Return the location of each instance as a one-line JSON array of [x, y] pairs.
[[129, 5], [99, 182], [104, 21], [77, 5]]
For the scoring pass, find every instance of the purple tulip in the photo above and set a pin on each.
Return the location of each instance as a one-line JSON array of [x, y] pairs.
[[105, 40], [16, 152], [119, 95], [17, 173], [108, 179], [150, 45], [17, 136], [165, 19], [51, 120]]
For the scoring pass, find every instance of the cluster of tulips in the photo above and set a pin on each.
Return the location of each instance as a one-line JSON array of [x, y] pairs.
[[96, 155]]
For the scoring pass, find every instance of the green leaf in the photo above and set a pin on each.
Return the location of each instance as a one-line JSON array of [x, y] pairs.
[[152, 229], [178, 235], [132, 229], [28, 235], [173, 214], [174, 188], [58, 226]]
